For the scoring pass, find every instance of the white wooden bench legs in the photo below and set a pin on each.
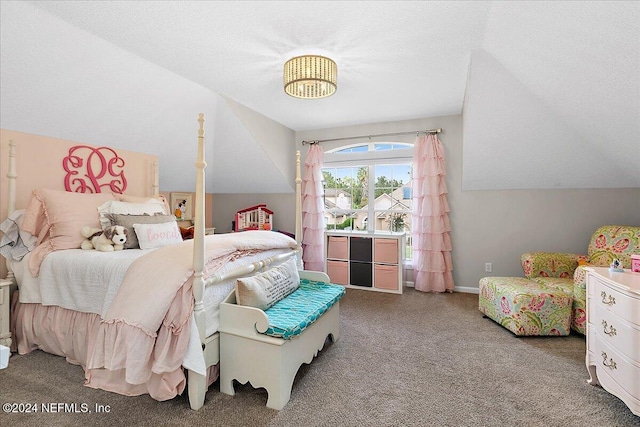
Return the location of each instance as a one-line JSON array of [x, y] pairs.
[[272, 363]]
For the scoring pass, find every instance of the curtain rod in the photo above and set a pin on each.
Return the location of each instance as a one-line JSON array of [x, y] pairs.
[[316, 141]]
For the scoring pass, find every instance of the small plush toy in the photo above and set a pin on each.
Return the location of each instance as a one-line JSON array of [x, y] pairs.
[[108, 240]]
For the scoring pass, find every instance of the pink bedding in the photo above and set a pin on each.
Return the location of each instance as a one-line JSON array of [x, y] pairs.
[[47, 328], [134, 351]]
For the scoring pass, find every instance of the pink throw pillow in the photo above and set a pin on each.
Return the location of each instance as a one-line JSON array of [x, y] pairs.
[[62, 214]]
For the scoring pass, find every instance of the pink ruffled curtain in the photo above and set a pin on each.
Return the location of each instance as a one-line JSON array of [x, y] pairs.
[[313, 211], [432, 266]]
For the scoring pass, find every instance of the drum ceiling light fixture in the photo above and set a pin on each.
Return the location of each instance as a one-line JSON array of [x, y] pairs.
[[310, 76]]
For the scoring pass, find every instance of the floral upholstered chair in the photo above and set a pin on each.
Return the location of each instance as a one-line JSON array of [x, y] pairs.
[[567, 272]]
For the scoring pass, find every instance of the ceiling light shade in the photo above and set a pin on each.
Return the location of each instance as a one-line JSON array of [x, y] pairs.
[[310, 76]]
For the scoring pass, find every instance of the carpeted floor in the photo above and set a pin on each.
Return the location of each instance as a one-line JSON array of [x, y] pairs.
[[403, 360]]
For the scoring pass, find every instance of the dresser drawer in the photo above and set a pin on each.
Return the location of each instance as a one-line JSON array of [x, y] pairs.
[[616, 332], [614, 301], [338, 247], [620, 369], [385, 277], [385, 251], [338, 272]]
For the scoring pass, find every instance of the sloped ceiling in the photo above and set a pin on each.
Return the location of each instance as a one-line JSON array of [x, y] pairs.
[[58, 80], [553, 98], [552, 81], [254, 167], [391, 55]]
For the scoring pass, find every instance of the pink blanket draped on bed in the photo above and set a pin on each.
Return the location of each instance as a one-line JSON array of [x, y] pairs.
[[146, 329]]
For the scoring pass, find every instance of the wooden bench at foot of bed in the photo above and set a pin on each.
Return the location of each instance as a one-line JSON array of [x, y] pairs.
[[247, 354]]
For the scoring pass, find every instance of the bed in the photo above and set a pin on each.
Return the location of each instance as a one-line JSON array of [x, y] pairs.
[[172, 344]]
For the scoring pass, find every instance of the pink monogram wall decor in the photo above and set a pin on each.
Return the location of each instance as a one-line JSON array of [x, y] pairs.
[[89, 169]]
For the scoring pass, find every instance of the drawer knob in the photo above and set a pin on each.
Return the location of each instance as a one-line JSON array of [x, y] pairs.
[[607, 299], [611, 332], [611, 364]]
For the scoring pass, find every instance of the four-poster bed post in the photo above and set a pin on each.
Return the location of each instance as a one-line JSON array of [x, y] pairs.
[[298, 230], [198, 236], [198, 383], [211, 345], [11, 193]]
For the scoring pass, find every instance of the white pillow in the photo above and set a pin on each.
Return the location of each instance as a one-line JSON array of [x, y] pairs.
[[152, 236], [125, 208], [265, 289]]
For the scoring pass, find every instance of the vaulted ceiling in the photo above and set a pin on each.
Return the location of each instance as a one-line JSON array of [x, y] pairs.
[[397, 59], [524, 72]]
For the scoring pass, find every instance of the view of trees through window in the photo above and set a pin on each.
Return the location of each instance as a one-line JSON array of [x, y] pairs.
[[358, 186], [367, 195]]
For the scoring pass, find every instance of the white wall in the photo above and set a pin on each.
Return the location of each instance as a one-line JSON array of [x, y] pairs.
[[60, 81], [251, 152], [557, 108], [498, 226], [57, 80], [275, 141]]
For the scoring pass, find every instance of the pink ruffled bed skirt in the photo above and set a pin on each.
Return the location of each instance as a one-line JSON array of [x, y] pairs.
[[48, 328]]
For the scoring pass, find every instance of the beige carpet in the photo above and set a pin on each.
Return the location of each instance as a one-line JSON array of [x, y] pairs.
[[403, 360]]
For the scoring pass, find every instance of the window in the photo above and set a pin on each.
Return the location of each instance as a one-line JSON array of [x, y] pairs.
[[368, 187]]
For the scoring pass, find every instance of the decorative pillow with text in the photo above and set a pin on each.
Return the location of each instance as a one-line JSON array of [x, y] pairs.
[[127, 221], [151, 236], [265, 289]]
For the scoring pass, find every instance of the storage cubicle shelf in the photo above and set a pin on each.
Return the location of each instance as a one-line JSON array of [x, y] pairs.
[[365, 260]]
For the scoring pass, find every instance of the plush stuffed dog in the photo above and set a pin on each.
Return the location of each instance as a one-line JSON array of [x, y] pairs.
[[108, 240]]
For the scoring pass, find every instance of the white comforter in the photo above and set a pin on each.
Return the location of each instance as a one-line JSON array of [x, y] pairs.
[[75, 279]]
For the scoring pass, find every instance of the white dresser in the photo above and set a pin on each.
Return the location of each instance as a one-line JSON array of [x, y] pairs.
[[613, 333]]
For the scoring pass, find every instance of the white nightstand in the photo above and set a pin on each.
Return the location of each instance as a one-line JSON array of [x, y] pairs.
[[5, 333]]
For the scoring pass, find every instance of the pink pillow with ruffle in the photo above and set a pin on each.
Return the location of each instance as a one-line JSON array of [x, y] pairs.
[[57, 218]]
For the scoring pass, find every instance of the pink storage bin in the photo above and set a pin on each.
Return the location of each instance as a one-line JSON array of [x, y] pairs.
[[385, 277], [338, 272], [635, 263], [338, 247], [385, 250]]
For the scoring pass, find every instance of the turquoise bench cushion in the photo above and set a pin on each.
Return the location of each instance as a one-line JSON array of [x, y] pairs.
[[293, 314]]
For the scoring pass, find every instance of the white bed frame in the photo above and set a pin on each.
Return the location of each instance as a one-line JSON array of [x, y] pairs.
[[197, 384]]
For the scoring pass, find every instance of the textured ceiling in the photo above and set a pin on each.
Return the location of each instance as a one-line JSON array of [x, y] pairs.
[[397, 60]]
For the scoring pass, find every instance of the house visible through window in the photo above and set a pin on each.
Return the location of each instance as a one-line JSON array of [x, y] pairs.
[[368, 187]]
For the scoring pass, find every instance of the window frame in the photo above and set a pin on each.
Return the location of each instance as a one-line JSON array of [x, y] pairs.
[[397, 156]]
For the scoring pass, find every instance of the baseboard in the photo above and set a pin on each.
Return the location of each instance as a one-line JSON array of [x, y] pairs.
[[461, 289], [466, 290]]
